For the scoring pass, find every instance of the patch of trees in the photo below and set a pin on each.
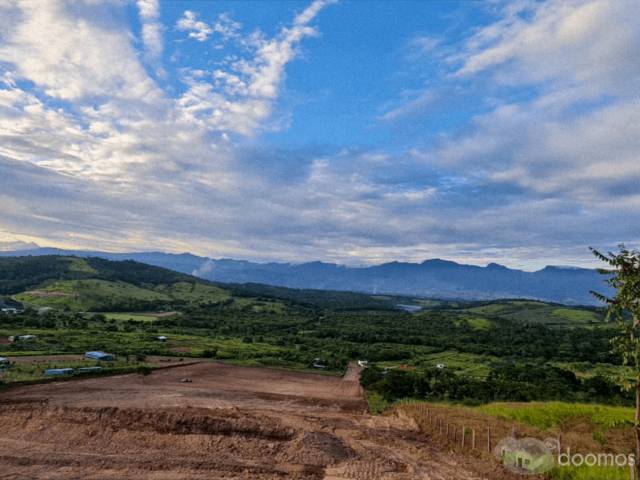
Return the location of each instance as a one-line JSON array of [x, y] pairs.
[[507, 382]]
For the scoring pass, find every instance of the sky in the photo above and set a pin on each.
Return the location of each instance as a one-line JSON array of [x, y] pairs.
[[356, 132]]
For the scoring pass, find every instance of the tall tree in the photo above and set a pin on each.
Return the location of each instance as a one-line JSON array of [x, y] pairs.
[[623, 275]]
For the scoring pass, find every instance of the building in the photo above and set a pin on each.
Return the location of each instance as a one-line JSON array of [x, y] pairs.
[[57, 372], [162, 338], [363, 363], [4, 361], [23, 338], [101, 356], [11, 307], [440, 366]]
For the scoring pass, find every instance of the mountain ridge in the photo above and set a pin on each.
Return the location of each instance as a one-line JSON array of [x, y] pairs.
[[435, 278]]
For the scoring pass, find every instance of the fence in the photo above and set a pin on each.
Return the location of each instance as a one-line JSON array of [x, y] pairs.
[[468, 438]]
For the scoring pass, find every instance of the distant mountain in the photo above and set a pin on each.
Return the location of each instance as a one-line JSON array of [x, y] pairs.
[[434, 278]]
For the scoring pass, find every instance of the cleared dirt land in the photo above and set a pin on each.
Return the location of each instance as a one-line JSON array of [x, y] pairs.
[[228, 422]]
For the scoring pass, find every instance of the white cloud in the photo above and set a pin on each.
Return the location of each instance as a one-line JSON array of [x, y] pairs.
[[151, 28], [242, 95], [591, 44], [198, 30], [97, 155], [61, 48]]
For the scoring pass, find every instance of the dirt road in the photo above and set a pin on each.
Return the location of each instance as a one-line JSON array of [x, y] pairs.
[[227, 422]]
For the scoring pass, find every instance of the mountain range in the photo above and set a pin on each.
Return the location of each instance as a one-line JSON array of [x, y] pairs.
[[433, 278]]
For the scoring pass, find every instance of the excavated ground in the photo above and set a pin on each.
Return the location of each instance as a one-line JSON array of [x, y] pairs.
[[229, 422]]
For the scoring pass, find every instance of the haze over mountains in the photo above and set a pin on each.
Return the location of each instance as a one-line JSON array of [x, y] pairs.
[[432, 278]]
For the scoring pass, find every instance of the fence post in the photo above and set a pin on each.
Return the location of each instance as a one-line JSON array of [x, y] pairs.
[[489, 439], [464, 431], [473, 439], [632, 469]]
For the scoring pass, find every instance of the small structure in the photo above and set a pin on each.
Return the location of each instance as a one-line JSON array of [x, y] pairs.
[[441, 366], [57, 372], [4, 362], [11, 307], [317, 363], [100, 356], [162, 338], [24, 338], [363, 363]]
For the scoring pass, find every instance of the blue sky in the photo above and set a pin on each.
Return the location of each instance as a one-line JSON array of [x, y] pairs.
[[348, 131]]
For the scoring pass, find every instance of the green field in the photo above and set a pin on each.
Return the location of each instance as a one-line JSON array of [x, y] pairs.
[[547, 415], [89, 295], [538, 312]]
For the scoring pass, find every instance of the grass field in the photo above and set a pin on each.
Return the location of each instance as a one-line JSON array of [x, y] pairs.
[[538, 312], [88, 295], [547, 415]]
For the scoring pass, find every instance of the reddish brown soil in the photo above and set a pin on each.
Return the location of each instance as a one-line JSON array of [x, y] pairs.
[[229, 422]]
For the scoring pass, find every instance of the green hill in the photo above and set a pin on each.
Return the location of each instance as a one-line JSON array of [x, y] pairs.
[[95, 284]]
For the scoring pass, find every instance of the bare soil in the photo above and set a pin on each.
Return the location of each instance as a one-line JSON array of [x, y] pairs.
[[228, 422]]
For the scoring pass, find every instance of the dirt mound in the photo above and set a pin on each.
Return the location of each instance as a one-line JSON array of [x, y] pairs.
[[317, 448]]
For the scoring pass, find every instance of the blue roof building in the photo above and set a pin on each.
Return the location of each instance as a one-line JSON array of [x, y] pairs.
[[56, 372], [105, 357]]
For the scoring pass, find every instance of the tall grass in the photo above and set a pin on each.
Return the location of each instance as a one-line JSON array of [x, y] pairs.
[[590, 473], [554, 414]]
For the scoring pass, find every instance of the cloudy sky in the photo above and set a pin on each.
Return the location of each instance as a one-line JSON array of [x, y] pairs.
[[354, 131]]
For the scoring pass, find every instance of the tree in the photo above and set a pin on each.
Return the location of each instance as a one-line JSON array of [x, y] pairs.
[[624, 308]]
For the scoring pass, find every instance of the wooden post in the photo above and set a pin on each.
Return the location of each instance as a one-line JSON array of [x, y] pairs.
[[632, 470], [473, 439], [447, 431], [464, 431], [489, 439], [559, 440]]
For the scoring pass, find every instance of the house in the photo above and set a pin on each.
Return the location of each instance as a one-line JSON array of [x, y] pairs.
[[101, 356], [162, 338], [440, 366], [4, 361], [58, 372], [11, 307], [363, 363]]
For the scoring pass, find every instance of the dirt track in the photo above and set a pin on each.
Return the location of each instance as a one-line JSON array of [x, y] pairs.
[[229, 422]]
